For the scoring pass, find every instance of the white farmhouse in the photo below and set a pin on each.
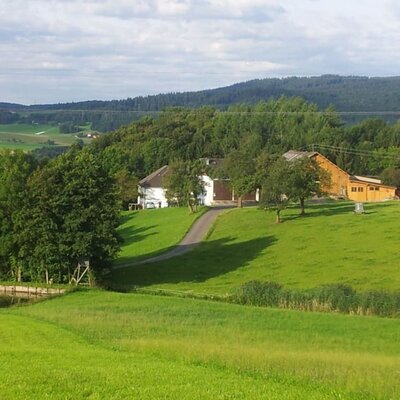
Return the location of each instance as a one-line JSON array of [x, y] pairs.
[[151, 190], [216, 191]]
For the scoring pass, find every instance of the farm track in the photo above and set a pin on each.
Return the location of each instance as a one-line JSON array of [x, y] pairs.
[[193, 237]]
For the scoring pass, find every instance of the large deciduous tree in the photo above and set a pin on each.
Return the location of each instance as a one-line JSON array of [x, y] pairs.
[[306, 179], [275, 187], [240, 168], [70, 212], [15, 168], [127, 185], [183, 183]]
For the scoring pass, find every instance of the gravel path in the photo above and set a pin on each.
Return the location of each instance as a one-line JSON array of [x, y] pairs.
[[196, 234]]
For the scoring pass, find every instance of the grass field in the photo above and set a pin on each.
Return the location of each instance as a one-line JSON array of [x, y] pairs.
[[329, 245], [104, 345], [147, 233], [31, 136]]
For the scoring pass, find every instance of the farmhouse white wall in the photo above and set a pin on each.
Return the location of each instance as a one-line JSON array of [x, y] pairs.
[[208, 197], [154, 195]]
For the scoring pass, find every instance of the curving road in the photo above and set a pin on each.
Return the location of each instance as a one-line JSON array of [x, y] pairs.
[[196, 234]]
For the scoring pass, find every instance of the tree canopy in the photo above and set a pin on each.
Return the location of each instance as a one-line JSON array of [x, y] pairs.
[[68, 211], [183, 183]]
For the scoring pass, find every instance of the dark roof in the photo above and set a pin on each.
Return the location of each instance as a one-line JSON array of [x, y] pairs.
[[155, 178], [294, 155]]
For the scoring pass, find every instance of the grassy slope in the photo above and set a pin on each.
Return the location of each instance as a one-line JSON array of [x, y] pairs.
[[27, 139], [329, 245], [150, 232], [108, 345]]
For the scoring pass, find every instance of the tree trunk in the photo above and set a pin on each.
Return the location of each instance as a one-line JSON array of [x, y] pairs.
[[240, 202], [278, 216], [302, 207], [190, 205], [19, 278], [47, 276]]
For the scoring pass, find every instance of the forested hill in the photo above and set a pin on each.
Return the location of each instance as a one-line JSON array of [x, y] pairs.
[[372, 97], [350, 93]]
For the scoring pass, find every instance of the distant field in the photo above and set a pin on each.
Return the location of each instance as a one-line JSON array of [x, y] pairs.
[[147, 233], [31, 136], [103, 345], [329, 245]]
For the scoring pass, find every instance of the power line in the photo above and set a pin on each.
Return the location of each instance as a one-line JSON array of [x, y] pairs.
[[217, 111], [354, 152]]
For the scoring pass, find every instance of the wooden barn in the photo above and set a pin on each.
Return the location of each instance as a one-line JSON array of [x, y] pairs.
[[344, 185]]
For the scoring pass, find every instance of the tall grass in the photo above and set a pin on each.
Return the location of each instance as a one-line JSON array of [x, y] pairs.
[[334, 298]]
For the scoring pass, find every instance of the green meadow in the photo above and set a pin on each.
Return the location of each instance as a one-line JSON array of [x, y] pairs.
[[105, 345], [147, 233], [329, 245], [95, 344], [32, 136]]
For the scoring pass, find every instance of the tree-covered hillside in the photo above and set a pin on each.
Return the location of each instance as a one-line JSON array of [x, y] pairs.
[[346, 93], [266, 128], [354, 94]]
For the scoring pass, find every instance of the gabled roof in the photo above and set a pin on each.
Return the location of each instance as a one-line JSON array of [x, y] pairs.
[[155, 178], [294, 155]]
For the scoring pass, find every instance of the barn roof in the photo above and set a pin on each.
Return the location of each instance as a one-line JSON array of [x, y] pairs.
[[294, 155]]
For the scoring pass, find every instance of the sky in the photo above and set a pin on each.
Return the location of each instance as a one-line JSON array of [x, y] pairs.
[[72, 50]]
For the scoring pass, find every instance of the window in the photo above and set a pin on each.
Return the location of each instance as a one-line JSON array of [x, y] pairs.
[[360, 189], [353, 189], [371, 188], [376, 187]]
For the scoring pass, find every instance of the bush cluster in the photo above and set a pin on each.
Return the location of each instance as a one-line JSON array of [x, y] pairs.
[[332, 298]]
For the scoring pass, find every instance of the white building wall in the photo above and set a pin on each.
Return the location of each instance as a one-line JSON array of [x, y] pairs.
[[208, 197], [155, 195]]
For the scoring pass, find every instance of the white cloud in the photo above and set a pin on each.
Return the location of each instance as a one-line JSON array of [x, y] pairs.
[[72, 50]]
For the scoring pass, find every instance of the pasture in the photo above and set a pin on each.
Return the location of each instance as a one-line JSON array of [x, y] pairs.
[[147, 233], [97, 345], [32, 136], [329, 245]]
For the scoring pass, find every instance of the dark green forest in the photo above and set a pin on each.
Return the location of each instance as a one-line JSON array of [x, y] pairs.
[[353, 95]]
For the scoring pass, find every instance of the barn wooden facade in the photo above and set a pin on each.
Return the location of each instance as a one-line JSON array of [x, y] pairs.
[[344, 185]]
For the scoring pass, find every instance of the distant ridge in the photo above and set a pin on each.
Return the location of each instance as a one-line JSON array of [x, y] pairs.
[[346, 93]]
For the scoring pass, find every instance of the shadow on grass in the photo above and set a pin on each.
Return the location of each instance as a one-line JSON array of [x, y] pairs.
[[210, 259], [331, 209], [133, 234]]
